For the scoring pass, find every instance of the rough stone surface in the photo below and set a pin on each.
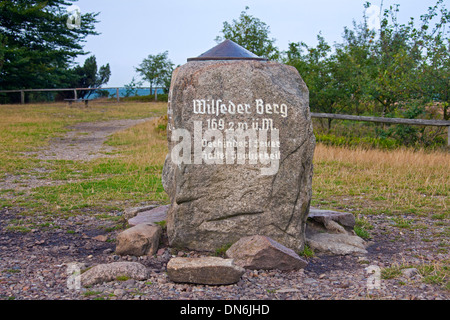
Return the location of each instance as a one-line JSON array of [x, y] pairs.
[[204, 270], [153, 215], [331, 232], [336, 244], [132, 212], [142, 239], [410, 272], [109, 272], [221, 203], [346, 219], [261, 252]]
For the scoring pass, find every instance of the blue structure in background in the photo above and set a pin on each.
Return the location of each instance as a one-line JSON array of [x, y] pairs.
[[123, 92]]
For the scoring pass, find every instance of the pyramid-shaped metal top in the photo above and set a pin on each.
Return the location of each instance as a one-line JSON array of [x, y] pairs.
[[227, 50]]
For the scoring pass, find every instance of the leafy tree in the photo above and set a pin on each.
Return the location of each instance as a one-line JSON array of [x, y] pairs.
[[89, 76], [315, 66], [156, 69], [2, 51], [132, 87], [38, 47], [252, 34], [434, 69], [354, 65], [396, 59], [396, 71]]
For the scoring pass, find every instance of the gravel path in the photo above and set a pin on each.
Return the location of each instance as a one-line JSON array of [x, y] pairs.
[[34, 265]]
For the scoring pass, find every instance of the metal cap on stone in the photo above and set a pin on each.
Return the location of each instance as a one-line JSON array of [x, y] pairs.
[[227, 50]]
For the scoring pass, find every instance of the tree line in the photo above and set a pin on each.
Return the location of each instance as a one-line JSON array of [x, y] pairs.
[[400, 70], [396, 69], [38, 49]]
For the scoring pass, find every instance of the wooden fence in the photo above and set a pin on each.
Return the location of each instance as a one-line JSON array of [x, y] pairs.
[[414, 122], [74, 90]]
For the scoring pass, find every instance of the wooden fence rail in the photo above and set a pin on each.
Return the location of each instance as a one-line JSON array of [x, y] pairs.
[[414, 122], [22, 91]]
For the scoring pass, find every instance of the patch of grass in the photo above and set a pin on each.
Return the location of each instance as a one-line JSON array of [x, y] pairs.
[[362, 227], [376, 182], [132, 176], [441, 216], [122, 278], [119, 226], [333, 140], [437, 273], [91, 293], [28, 127], [307, 252], [402, 223], [12, 271], [162, 223], [361, 232], [220, 252], [18, 228], [391, 272], [97, 192]]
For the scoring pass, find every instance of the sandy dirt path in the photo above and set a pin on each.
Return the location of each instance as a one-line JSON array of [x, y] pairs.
[[85, 141]]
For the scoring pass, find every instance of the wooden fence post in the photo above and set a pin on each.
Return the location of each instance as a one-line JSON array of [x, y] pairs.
[[448, 136], [117, 94], [22, 97]]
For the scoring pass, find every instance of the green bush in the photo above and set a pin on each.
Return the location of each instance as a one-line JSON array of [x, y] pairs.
[[366, 142], [147, 98]]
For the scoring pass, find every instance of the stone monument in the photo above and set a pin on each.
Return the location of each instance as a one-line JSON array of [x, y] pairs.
[[241, 148]]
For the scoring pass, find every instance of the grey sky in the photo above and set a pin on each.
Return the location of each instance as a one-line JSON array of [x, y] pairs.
[[133, 29]]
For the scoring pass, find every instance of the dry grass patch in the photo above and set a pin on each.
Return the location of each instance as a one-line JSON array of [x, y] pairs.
[[365, 180], [375, 181], [437, 272], [134, 175], [25, 128], [144, 144]]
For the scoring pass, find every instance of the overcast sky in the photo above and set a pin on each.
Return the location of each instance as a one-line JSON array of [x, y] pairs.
[[133, 29]]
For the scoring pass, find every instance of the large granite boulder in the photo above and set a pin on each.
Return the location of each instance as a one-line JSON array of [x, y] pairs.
[[218, 200]]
